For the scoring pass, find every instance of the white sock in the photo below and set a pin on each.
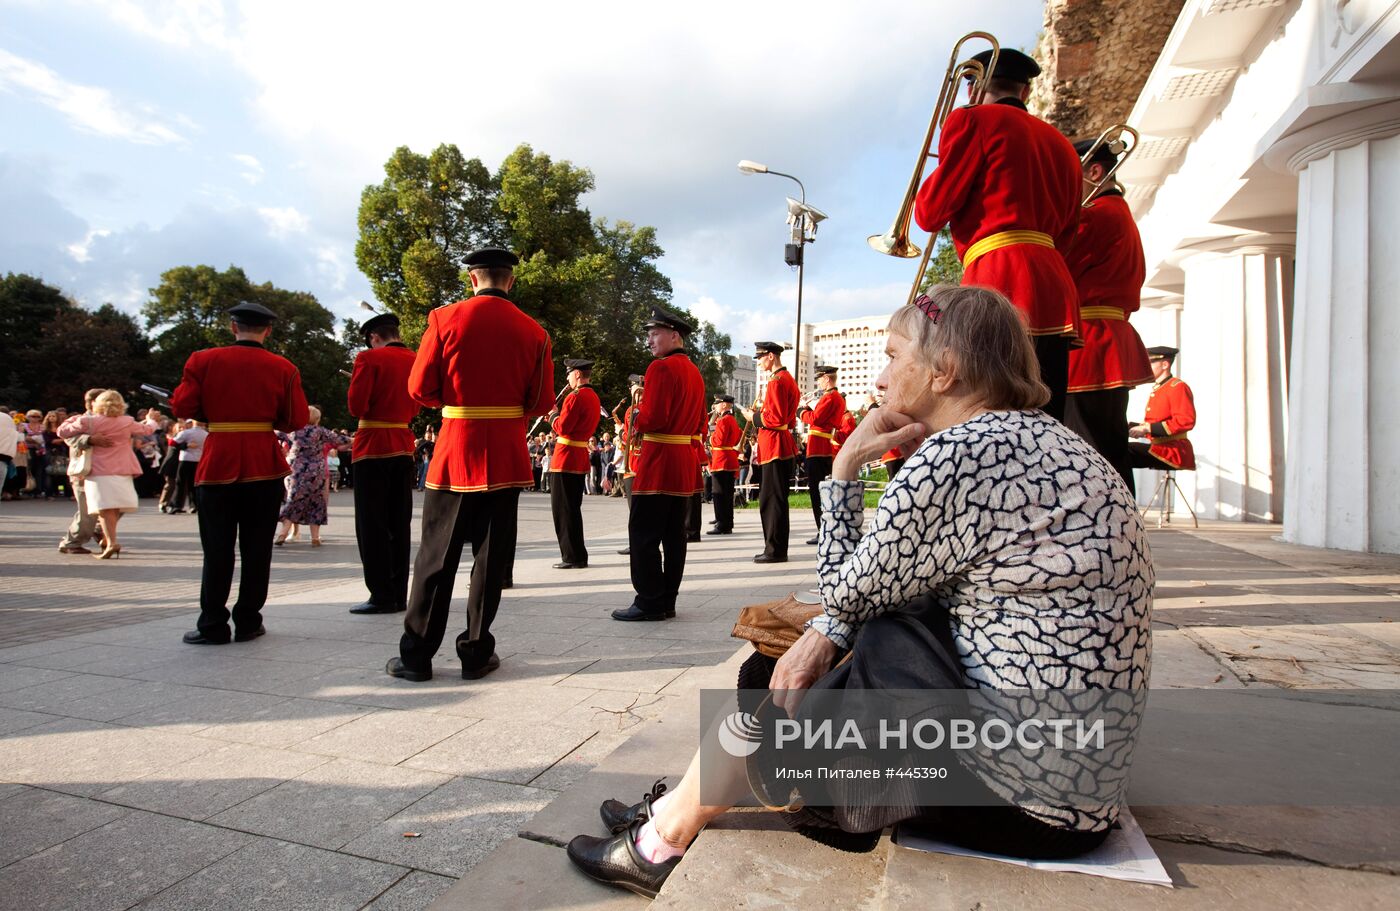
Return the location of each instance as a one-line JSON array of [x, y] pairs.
[[653, 847]]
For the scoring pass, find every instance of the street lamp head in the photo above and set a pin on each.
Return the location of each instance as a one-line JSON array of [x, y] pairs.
[[798, 209], [752, 167], [364, 305]]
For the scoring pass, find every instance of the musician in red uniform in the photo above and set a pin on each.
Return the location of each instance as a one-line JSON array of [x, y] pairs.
[[776, 452], [383, 458], [1107, 264], [1171, 413], [822, 419], [1008, 184], [724, 463], [480, 463], [573, 423], [243, 393], [843, 431], [672, 415], [631, 443]]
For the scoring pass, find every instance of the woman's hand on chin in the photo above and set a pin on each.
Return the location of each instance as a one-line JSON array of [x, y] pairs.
[[881, 430], [809, 658]]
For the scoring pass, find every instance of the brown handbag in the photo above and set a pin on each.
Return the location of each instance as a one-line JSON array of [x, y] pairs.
[[774, 626]]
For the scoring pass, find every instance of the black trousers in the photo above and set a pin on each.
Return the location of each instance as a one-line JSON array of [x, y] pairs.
[[566, 501], [723, 499], [486, 520], [383, 518], [184, 485], [773, 487], [245, 514], [1101, 417], [818, 470], [1053, 353], [656, 536], [892, 468], [693, 516], [1140, 456]]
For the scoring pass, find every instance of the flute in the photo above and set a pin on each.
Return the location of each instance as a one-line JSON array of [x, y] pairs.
[[557, 399]]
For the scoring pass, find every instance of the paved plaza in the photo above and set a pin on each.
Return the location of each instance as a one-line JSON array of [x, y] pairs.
[[290, 772]]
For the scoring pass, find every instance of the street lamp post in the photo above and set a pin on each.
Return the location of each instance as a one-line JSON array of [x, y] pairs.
[[803, 219]]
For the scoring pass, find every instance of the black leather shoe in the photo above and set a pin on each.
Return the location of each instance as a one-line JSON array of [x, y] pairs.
[[616, 861], [764, 558], [625, 551], [720, 531], [617, 815], [369, 607], [509, 583], [395, 668], [476, 673], [195, 637], [636, 613], [250, 635], [814, 539], [693, 538], [567, 565]]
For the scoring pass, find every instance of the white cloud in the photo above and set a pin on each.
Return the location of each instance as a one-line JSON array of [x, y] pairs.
[[284, 221], [81, 251], [89, 108], [252, 168]]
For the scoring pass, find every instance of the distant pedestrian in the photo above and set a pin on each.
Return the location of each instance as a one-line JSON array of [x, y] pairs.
[[191, 443], [108, 488], [305, 503]]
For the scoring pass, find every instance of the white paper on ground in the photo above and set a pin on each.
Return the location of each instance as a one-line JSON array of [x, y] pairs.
[[1124, 855]]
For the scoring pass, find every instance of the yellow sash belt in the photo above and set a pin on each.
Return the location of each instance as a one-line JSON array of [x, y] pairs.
[[1101, 313], [380, 425], [1170, 436], [241, 427], [820, 433], [565, 441], [482, 412], [1005, 239], [676, 439], [725, 448]]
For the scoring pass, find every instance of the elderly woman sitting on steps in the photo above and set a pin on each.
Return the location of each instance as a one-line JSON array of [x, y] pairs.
[[1006, 554]]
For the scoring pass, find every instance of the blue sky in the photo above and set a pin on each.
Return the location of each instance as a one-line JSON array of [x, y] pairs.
[[138, 136]]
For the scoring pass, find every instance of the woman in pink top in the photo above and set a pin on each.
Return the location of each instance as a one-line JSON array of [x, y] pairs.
[[108, 487]]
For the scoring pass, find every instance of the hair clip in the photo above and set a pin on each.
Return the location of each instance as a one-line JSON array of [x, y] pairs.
[[929, 308]]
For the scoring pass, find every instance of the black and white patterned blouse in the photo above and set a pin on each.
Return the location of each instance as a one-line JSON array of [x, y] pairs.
[[1026, 535]]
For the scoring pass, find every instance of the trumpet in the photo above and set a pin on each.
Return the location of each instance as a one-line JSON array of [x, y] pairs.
[[1115, 138], [895, 241]]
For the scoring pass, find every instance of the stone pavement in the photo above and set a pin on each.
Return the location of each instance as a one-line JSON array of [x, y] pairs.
[[139, 771], [136, 771]]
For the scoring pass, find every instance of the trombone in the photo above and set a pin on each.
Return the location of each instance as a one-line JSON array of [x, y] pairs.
[[1116, 140], [895, 242]]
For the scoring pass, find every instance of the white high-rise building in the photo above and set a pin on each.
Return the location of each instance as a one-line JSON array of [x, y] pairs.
[[856, 347]]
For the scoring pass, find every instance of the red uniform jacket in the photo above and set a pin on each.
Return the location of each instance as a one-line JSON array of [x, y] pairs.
[[1000, 170], [483, 353], [1171, 412], [671, 418], [573, 428], [1107, 265], [724, 444], [892, 455], [822, 422], [244, 392], [844, 430], [631, 440], [775, 418], [378, 396]]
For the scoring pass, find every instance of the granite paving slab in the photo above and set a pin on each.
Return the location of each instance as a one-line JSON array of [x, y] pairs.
[[625, 674], [282, 723], [275, 874], [54, 690], [12, 720], [35, 819], [456, 825], [117, 865], [414, 892], [510, 751], [332, 803], [89, 757], [386, 736]]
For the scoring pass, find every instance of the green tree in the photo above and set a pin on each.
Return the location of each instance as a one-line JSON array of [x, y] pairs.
[[27, 305], [944, 267], [188, 311], [103, 348]]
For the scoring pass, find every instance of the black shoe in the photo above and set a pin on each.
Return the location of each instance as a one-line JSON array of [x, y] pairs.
[[567, 565], [476, 673], [720, 531], [764, 558], [625, 551], [369, 607], [250, 636], [694, 537], [616, 861], [617, 815], [395, 668], [636, 613], [197, 637], [509, 583], [814, 539]]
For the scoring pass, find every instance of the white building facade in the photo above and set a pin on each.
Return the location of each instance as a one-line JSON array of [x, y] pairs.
[[1270, 153]]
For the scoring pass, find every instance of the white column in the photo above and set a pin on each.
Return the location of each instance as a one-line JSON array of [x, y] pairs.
[[1343, 478], [1234, 356]]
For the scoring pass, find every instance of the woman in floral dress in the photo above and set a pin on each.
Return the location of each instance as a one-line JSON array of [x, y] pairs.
[[306, 487]]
